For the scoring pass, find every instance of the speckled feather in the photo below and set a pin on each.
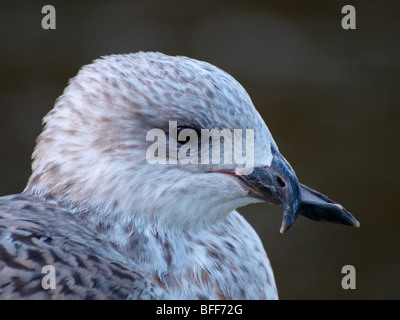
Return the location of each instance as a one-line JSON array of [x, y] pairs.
[[114, 226], [34, 233]]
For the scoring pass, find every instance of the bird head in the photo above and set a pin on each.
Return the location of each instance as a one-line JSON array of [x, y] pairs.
[[166, 142]]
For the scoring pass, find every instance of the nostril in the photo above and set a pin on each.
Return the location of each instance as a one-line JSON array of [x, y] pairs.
[[280, 181]]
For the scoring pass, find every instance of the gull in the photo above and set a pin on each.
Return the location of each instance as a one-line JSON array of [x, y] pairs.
[[97, 220]]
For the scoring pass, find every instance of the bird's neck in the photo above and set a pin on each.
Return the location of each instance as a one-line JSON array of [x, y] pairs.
[[225, 259], [221, 261]]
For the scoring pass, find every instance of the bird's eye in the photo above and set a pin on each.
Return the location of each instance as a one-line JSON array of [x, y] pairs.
[[181, 128]]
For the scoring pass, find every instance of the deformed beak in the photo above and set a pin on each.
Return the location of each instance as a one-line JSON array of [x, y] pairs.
[[278, 184]]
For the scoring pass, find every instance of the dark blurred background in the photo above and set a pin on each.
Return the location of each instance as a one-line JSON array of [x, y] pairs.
[[331, 98]]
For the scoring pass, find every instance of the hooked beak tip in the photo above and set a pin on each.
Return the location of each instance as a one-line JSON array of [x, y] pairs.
[[289, 217], [283, 228]]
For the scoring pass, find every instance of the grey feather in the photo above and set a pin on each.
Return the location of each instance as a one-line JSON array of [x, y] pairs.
[[34, 233]]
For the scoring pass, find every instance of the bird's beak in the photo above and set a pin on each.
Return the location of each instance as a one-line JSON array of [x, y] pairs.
[[278, 184]]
